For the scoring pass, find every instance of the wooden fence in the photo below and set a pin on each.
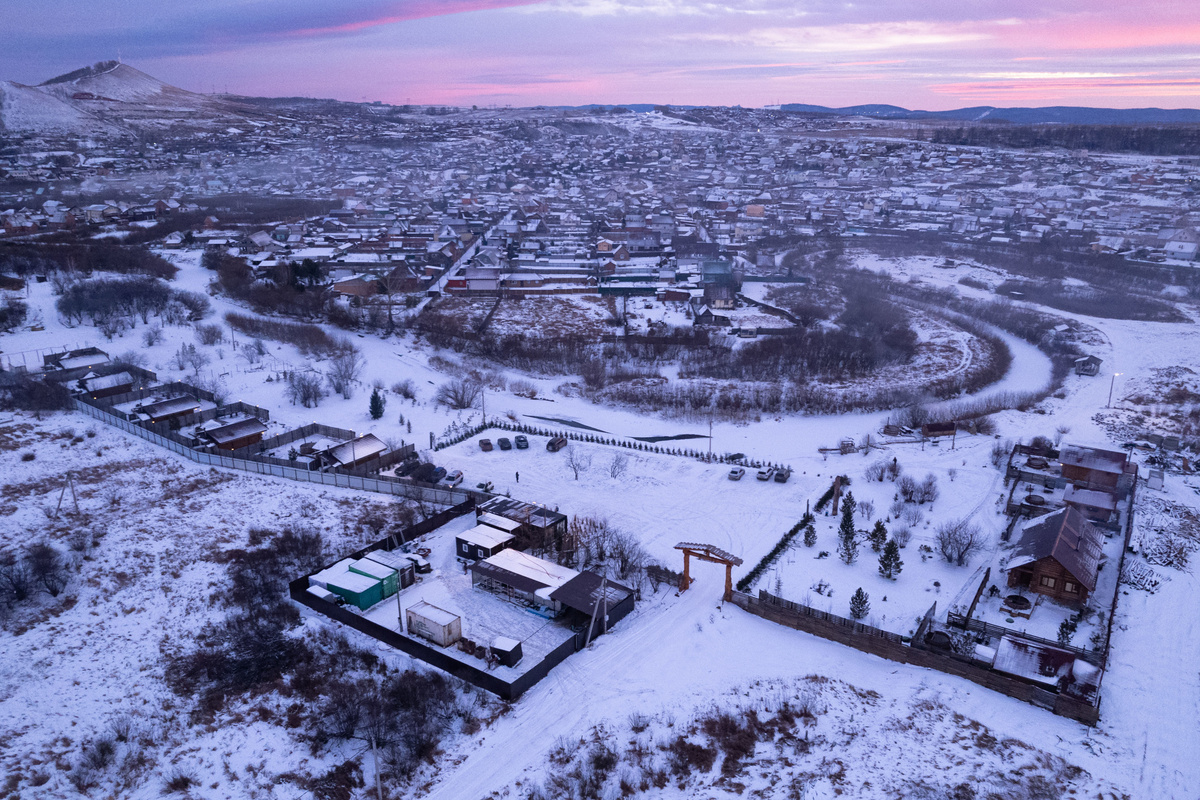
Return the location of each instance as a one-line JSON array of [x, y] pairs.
[[259, 465], [435, 656], [1096, 657], [893, 647]]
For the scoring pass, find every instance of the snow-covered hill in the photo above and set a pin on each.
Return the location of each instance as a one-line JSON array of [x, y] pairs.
[[108, 98], [30, 109]]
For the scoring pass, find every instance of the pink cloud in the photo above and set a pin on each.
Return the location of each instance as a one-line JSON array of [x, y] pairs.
[[419, 9]]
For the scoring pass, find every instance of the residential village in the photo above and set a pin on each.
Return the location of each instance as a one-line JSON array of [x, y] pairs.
[[999, 554]]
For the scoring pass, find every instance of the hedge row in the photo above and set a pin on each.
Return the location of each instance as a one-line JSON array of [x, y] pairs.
[[780, 547], [727, 458], [825, 498]]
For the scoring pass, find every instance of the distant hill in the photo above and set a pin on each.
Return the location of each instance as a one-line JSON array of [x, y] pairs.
[[111, 97], [1067, 115]]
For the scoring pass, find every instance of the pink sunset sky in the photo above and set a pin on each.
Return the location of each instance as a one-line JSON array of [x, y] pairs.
[[934, 54]]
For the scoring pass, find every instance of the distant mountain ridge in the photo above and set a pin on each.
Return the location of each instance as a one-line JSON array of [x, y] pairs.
[[1065, 115]]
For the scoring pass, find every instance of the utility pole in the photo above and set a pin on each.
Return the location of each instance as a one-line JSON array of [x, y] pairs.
[[1111, 384]]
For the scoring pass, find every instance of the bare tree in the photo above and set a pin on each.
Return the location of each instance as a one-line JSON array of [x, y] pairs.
[[618, 465], [389, 286], [927, 491], [210, 334], [188, 356], [343, 372], [304, 388], [254, 351], [1059, 433], [958, 540], [152, 335], [458, 394], [578, 461]]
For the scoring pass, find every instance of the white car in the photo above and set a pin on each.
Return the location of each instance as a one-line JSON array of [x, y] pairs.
[[453, 478], [737, 473], [766, 473]]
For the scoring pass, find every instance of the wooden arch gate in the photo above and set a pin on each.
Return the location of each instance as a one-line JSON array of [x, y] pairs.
[[714, 555]]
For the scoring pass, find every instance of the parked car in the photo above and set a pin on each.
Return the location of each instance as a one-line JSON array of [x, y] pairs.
[[556, 444], [420, 564], [781, 476], [438, 474], [424, 473], [521, 442], [453, 478], [766, 473], [505, 443], [737, 473], [485, 445]]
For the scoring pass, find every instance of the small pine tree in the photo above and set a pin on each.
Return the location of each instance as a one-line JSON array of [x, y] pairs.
[[810, 534], [889, 562], [376, 405], [847, 547], [849, 502], [860, 604], [878, 536], [1066, 630]]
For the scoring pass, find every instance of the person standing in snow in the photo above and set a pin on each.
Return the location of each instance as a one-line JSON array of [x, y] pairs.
[[518, 477]]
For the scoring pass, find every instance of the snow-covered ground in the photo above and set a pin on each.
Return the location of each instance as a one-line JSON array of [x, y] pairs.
[[65, 675]]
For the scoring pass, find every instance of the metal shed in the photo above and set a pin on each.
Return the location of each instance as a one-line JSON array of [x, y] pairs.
[[406, 570], [353, 587], [388, 577], [507, 651], [435, 624], [480, 542]]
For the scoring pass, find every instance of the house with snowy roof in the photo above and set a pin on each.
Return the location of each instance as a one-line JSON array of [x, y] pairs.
[[1057, 555]]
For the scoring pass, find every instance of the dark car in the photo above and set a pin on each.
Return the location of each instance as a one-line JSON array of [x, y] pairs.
[[521, 442], [505, 444], [424, 473], [556, 444], [438, 474], [485, 445]]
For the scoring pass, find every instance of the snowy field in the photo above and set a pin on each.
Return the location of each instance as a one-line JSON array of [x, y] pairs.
[[71, 666]]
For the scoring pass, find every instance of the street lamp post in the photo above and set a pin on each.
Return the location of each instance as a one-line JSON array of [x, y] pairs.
[[1111, 384]]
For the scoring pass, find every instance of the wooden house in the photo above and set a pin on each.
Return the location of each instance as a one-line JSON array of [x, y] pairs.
[[1088, 365], [169, 409], [235, 434], [73, 359], [108, 385], [1057, 555], [354, 453], [1093, 468], [1097, 506]]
